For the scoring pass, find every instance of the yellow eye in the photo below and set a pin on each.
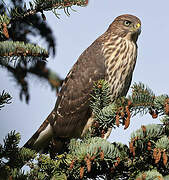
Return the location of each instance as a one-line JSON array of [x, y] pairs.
[[127, 23]]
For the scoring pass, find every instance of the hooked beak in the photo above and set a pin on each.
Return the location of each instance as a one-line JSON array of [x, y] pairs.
[[137, 28]]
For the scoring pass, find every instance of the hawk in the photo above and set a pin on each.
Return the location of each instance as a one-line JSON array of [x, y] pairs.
[[112, 57]]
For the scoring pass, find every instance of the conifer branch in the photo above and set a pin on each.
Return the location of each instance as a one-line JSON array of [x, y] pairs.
[[108, 115], [12, 157], [142, 98], [149, 148], [5, 98], [93, 157], [39, 69], [100, 157], [40, 6], [10, 50], [152, 174], [45, 73]]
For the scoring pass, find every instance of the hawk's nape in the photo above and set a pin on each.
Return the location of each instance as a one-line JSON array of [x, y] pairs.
[[111, 57]]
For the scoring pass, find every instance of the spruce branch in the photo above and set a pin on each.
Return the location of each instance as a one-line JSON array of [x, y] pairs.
[[94, 157], [91, 158], [40, 6], [12, 157], [44, 73], [20, 51], [163, 143], [149, 149], [108, 115], [142, 98], [148, 175], [5, 98], [166, 177], [149, 131], [38, 69], [12, 153]]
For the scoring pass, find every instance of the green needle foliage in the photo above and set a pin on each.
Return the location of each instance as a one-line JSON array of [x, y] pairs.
[[17, 21], [40, 6], [15, 51], [94, 157], [17, 55], [11, 156], [150, 175], [5, 98], [146, 156], [142, 100]]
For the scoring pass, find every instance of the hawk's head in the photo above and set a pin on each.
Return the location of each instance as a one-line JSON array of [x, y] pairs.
[[126, 26]]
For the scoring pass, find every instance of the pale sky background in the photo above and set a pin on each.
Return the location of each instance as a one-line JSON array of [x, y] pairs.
[[74, 34]]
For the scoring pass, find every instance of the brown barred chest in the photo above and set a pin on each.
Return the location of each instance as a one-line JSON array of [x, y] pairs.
[[120, 55]]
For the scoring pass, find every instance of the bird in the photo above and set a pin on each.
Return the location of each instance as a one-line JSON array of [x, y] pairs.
[[111, 57]]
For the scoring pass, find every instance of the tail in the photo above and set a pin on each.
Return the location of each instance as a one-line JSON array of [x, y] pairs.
[[40, 140], [43, 137]]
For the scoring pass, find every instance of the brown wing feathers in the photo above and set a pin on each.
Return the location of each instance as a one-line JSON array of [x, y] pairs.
[[72, 110], [75, 93]]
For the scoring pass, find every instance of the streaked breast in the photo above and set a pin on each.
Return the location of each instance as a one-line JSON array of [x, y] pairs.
[[120, 55]]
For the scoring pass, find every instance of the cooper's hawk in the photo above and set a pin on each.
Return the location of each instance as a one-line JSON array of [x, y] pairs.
[[111, 57]]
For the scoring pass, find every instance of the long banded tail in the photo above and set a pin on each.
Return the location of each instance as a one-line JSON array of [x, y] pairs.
[[41, 137]]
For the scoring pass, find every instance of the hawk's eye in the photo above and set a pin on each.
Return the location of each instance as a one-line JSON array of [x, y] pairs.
[[127, 23]]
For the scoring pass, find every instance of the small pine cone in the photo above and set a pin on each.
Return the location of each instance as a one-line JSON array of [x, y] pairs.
[[88, 156], [118, 160], [102, 133], [88, 164], [96, 124], [149, 146], [122, 114], [134, 152], [117, 120], [81, 172], [99, 85], [127, 122], [72, 164], [5, 30], [116, 164], [131, 146], [101, 155], [143, 128], [166, 106], [143, 176], [160, 178], [92, 158], [129, 103], [157, 160], [165, 158], [158, 156], [128, 111], [155, 153], [154, 114]]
